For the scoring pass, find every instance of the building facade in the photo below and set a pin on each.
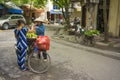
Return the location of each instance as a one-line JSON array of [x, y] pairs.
[[89, 14], [114, 18], [92, 15], [75, 9], [31, 12]]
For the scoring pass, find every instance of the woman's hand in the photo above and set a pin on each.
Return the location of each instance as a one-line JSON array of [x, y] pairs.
[[31, 31], [32, 26]]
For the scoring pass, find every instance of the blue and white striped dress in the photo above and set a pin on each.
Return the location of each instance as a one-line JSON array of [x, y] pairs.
[[21, 46]]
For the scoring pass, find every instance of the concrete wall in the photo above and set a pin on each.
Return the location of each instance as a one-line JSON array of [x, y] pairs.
[[114, 18]]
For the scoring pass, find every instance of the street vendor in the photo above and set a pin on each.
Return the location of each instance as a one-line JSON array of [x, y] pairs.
[[39, 29]]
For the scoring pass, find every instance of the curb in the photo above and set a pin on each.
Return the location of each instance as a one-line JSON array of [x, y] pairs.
[[111, 54]]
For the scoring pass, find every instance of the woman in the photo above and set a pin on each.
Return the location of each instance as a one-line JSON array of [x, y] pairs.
[[40, 31], [20, 35]]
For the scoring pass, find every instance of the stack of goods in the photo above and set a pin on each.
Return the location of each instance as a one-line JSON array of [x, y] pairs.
[[31, 37], [43, 42]]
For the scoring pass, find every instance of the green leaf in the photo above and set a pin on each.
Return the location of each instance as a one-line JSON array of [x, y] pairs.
[[91, 32]]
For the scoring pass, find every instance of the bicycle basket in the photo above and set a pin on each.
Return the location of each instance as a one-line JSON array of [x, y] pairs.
[[30, 40]]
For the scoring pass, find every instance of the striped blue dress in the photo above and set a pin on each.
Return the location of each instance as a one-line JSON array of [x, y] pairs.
[[21, 46]]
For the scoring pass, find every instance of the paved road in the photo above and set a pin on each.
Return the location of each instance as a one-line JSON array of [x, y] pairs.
[[68, 63]]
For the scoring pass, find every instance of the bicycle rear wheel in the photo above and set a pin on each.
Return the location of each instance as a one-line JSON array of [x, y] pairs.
[[37, 64], [78, 37], [93, 41]]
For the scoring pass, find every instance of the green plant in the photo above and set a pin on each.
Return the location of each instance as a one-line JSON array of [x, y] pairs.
[[91, 32], [65, 6]]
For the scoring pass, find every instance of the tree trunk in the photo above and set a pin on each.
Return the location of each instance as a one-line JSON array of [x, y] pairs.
[[106, 36], [67, 18]]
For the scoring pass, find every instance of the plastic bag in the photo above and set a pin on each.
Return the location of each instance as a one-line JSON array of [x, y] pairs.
[[43, 42]]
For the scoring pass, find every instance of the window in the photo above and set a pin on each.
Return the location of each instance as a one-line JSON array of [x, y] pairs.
[[13, 17], [19, 17], [55, 7], [16, 17]]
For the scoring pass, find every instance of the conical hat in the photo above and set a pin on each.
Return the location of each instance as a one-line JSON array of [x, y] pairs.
[[39, 19]]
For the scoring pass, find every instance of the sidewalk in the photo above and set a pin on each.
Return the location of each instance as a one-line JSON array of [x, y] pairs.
[[110, 49], [1, 78], [54, 25]]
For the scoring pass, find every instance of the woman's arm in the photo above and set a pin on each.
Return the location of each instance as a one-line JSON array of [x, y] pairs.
[[16, 34]]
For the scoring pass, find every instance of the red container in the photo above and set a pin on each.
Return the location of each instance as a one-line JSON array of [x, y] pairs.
[[43, 42]]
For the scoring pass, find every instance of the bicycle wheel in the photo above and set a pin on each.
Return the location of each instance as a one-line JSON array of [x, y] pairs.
[[37, 64], [93, 41], [78, 37], [83, 39], [89, 41]]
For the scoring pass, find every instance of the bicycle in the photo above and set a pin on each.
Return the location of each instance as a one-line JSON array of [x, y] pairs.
[[36, 63], [79, 35], [84, 39], [89, 40]]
